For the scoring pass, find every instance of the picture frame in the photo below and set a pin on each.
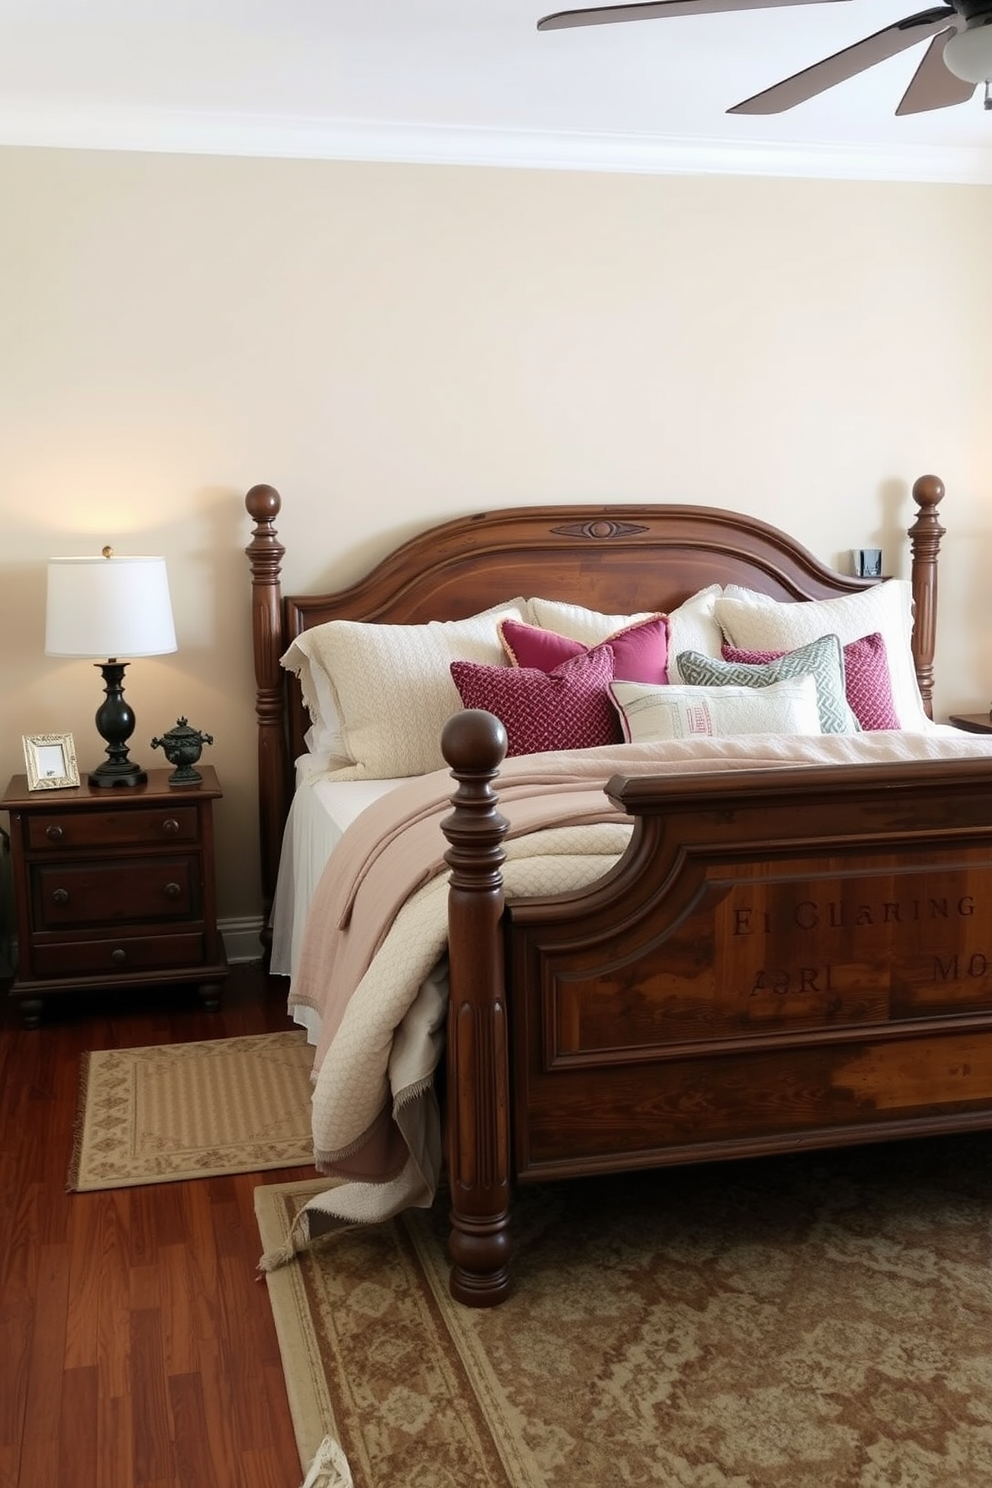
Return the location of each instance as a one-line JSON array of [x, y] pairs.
[[50, 761]]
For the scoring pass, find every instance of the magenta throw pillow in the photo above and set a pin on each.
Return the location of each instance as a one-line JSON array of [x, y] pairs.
[[866, 679], [640, 651], [567, 708]]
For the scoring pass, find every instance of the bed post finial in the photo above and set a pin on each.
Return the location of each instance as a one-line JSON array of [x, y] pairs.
[[478, 1089], [924, 537], [265, 553]]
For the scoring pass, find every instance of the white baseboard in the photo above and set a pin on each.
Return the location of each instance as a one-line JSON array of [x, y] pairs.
[[242, 938]]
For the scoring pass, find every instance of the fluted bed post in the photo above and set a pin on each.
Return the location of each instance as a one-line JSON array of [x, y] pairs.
[[478, 1113], [924, 536], [265, 554]]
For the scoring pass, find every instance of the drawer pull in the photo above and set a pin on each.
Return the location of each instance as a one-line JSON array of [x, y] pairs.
[[60, 896], [54, 834], [172, 890], [170, 825], [118, 957]]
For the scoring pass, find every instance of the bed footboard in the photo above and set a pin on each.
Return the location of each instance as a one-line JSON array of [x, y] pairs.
[[782, 959]]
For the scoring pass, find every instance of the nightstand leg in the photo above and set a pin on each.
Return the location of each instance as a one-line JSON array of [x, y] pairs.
[[31, 1011], [210, 995]]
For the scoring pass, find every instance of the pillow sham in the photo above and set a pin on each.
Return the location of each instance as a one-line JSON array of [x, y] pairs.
[[640, 651], [763, 624], [691, 625], [390, 686], [676, 712], [822, 659], [567, 708], [866, 679]]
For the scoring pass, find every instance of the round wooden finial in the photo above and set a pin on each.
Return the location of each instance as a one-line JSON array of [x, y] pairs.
[[928, 490], [263, 503], [473, 740]]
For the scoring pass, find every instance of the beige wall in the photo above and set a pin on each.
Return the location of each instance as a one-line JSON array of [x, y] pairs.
[[392, 345]]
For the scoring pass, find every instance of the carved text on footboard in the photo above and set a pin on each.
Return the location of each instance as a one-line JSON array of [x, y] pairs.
[[801, 969]]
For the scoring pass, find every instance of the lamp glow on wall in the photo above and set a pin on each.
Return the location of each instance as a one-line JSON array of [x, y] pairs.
[[110, 607]]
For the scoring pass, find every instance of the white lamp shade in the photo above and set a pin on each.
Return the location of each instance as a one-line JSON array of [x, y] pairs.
[[108, 607], [968, 54]]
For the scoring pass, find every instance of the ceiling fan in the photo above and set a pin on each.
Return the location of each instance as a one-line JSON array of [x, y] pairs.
[[958, 58]]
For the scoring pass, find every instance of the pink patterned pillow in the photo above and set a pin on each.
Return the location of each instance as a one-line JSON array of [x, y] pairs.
[[640, 651], [866, 679], [568, 708]]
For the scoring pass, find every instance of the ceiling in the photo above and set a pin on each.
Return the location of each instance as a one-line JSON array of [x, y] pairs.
[[473, 81]]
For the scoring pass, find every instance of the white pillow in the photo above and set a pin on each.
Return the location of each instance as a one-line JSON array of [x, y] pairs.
[[390, 687], [761, 624], [691, 626], [649, 712]]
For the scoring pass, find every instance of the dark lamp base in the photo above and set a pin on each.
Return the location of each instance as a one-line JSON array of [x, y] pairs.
[[115, 725], [113, 773]]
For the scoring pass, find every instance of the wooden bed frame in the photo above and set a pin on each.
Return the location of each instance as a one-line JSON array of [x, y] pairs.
[[782, 959]]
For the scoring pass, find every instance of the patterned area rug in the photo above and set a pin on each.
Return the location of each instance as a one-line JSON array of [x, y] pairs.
[[194, 1110], [815, 1321]]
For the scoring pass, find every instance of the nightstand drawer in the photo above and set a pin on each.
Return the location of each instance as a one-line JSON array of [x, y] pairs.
[[113, 893], [59, 831], [121, 957]]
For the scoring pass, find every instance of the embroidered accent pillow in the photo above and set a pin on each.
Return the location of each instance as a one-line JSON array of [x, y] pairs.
[[822, 659], [390, 687], [762, 624], [568, 708], [640, 651], [866, 679], [788, 707]]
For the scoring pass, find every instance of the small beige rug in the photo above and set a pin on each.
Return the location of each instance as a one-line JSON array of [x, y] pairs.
[[171, 1111], [822, 1321]]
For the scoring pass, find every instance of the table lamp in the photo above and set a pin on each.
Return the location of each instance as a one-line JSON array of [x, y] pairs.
[[112, 607]]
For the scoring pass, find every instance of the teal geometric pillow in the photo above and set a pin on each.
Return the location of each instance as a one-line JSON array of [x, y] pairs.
[[823, 660]]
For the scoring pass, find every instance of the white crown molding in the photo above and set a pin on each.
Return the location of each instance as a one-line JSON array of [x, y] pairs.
[[343, 139]]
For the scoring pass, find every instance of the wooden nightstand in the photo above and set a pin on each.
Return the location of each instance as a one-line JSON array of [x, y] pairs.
[[972, 723], [114, 888]]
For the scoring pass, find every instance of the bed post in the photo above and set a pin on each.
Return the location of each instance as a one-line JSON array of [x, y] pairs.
[[477, 1094], [265, 553], [924, 537]]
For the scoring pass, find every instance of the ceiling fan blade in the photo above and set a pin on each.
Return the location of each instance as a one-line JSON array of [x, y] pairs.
[[933, 85], [651, 10], [848, 63]]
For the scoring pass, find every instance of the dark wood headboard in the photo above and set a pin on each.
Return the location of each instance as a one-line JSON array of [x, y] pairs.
[[616, 558]]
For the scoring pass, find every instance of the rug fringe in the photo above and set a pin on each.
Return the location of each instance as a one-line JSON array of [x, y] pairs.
[[297, 1240], [329, 1469], [78, 1126]]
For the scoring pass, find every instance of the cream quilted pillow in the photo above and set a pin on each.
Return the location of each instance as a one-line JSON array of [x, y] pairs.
[[761, 624], [391, 687]]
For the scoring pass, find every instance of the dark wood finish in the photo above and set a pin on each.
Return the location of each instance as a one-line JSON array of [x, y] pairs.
[[925, 537], [972, 723], [139, 1349], [781, 959], [478, 1036], [114, 888]]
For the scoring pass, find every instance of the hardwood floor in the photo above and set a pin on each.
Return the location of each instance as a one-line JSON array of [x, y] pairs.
[[137, 1348]]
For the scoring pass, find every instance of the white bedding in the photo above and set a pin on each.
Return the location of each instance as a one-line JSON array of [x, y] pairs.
[[320, 811]]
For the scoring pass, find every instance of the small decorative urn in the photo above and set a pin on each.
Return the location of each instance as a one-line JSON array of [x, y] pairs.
[[182, 747]]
